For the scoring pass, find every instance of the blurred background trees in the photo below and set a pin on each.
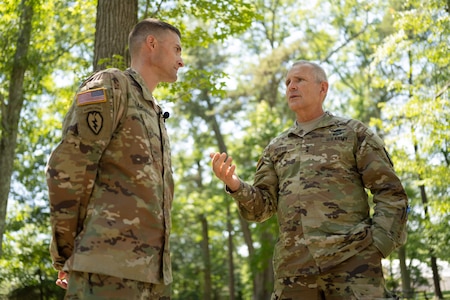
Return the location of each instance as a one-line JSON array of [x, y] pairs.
[[388, 65]]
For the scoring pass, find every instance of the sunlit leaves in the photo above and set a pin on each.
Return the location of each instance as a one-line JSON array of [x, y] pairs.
[[411, 63], [388, 64]]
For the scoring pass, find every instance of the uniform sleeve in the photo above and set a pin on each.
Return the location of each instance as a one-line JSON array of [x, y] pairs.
[[73, 165], [378, 175], [258, 202]]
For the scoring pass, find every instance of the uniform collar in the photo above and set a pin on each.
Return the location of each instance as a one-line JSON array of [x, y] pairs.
[[325, 120], [139, 80]]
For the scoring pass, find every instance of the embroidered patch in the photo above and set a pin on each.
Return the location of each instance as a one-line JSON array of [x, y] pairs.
[[91, 96], [95, 121]]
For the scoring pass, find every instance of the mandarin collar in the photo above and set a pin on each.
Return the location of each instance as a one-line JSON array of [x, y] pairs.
[[138, 78]]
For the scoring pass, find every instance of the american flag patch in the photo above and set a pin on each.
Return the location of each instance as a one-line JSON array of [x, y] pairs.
[[91, 96]]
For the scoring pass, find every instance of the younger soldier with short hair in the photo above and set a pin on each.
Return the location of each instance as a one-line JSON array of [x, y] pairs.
[[110, 179], [313, 177]]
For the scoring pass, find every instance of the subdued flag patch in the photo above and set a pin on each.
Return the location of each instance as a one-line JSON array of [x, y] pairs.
[[91, 96]]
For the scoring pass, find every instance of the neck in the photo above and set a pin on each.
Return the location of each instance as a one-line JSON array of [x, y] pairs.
[[146, 74], [303, 117]]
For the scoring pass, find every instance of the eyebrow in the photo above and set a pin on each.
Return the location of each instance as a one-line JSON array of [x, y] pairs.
[[294, 77]]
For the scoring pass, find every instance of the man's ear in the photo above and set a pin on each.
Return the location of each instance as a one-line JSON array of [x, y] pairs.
[[324, 87], [151, 42]]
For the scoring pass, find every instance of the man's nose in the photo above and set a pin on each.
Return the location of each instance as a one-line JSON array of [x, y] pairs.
[[292, 87]]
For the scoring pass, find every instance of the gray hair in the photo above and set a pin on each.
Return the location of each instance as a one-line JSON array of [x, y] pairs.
[[318, 71]]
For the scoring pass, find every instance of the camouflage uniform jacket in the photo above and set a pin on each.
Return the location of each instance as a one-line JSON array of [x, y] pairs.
[[110, 182], [315, 183]]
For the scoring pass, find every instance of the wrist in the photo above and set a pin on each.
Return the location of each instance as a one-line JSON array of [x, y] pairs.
[[232, 188]]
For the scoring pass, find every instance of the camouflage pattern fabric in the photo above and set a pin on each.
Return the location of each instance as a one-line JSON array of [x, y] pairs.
[[110, 182], [315, 183], [89, 286], [359, 277]]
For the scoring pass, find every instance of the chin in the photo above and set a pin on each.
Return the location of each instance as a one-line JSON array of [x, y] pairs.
[[170, 80], [173, 78]]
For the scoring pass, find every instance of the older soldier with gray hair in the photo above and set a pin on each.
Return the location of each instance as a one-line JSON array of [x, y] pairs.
[[110, 179], [314, 177]]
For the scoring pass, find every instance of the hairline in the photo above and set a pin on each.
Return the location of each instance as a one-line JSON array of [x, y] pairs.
[[319, 73], [146, 27]]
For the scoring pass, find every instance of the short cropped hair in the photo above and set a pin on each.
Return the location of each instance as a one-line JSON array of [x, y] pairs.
[[146, 27], [318, 71]]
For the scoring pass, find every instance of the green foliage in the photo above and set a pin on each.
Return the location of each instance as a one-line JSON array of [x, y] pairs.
[[388, 65], [411, 66], [25, 268], [203, 21], [58, 42]]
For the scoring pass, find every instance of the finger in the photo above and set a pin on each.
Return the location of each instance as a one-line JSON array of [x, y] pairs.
[[62, 283], [217, 162], [221, 165], [226, 166], [62, 279], [230, 172]]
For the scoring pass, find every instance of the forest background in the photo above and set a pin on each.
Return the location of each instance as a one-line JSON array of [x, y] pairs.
[[388, 63]]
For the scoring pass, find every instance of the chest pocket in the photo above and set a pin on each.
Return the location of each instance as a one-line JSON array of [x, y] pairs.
[[334, 152]]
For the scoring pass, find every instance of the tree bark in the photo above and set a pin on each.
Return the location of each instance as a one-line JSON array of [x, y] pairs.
[[11, 108], [115, 19], [436, 278], [263, 281], [230, 254], [407, 291], [207, 289]]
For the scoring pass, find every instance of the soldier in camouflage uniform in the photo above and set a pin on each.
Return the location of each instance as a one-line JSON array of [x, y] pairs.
[[110, 179], [314, 177]]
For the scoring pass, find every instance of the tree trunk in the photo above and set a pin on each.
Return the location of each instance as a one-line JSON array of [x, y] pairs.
[[207, 289], [222, 148], [11, 108], [436, 278], [263, 279], [230, 254], [407, 291], [115, 19], [434, 268], [424, 198]]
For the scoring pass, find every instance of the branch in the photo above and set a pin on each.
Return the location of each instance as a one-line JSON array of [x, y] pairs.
[[442, 91], [346, 42]]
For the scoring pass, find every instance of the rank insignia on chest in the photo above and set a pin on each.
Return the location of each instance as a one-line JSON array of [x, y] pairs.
[[91, 96]]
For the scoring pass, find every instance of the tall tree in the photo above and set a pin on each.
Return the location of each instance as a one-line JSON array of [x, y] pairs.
[[241, 117], [115, 19], [410, 65], [31, 49], [11, 106], [25, 246]]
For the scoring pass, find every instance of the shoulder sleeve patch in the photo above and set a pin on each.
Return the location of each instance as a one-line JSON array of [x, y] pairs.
[[91, 96], [95, 121]]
